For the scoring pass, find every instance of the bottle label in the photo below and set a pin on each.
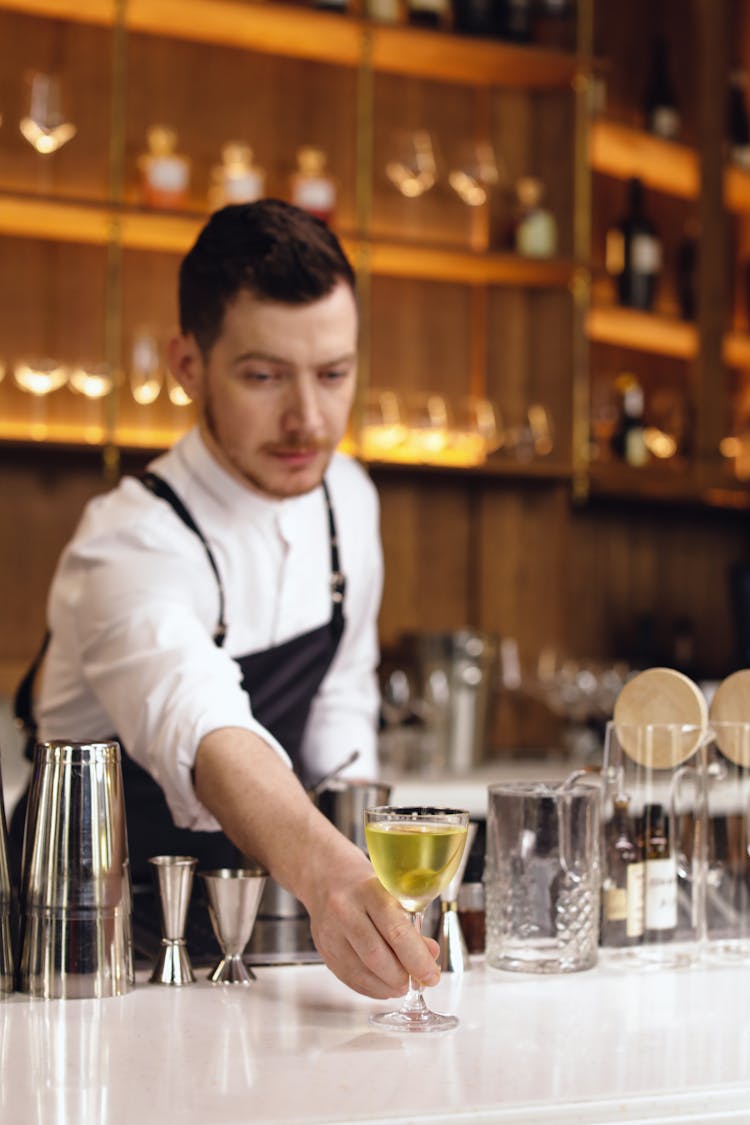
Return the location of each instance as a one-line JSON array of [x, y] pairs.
[[661, 894], [645, 254], [635, 900], [243, 187], [168, 173], [616, 904], [665, 122], [313, 194]]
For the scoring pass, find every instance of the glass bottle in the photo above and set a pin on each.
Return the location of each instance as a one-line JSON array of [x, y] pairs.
[[536, 229], [516, 20], [429, 13], [738, 124], [661, 109], [633, 253], [312, 188], [660, 919], [686, 270], [629, 440], [384, 11], [623, 887], [554, 24], [236, 179], [474, 17], [165, 174]]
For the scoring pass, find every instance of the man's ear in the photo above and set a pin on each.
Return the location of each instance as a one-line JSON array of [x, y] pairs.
[[186, 364]]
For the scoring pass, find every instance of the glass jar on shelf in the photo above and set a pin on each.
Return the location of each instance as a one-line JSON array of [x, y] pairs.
[[313, 189], [237, 179], [536, 228], [165, 173]]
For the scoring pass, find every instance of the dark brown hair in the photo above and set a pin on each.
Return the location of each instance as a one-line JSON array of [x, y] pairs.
[[269, 248]]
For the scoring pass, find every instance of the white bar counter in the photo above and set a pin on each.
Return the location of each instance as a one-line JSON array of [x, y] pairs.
[[295, 1048]]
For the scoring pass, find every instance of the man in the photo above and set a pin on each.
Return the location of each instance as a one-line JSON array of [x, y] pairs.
[[220, 615]]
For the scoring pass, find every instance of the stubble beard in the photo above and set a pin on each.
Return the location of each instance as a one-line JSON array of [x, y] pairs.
[[257, 482]]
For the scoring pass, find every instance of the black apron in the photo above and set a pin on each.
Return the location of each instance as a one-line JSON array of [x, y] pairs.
[[281, 681]]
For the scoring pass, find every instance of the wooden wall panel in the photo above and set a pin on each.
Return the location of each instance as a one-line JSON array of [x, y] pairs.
[[41, 499], [425, 526], [662, 563], [421, 336]]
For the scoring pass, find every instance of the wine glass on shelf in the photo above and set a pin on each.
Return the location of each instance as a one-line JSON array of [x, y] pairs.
[[415, 853], [145, 368], [428, 426], [177, 396], [45, 125], [414, 169], [477, 430]]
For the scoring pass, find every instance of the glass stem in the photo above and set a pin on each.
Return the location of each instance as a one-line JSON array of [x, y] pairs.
[[414, 1001]]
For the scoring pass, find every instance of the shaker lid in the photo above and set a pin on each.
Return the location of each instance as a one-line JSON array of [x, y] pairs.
[[661, 717]]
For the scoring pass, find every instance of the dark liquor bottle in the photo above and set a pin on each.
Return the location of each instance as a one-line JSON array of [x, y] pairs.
[[633, 253], [429, 13], [660, 919], [623, 888], [474, 17], [629, 439], [516, 20], [738, 124], [687, 265], [661, 109], [554, 24]]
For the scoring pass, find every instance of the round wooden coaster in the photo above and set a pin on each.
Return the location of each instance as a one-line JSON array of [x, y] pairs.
[[731, 706], [646, 703]]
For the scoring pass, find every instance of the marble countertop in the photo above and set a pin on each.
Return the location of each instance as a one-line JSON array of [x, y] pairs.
[[295, 1048]]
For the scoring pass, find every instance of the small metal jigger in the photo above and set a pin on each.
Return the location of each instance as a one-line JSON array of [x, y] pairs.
[[174, 880], [454, 956], [233, 900]]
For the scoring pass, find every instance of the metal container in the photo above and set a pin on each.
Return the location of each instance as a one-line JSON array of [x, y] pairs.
[[344, 803], [457, 673], [75, 898]]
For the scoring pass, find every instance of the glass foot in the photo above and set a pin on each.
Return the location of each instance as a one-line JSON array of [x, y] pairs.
[[405, 1020]]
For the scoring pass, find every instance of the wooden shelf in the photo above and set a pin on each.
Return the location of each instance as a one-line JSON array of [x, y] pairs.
[[670, 483], [622, 152], [641, 331], [59, 220], [737, 349], [301, 32]]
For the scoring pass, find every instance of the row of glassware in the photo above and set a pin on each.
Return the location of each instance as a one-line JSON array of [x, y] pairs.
[[41, 376], [412, 167], [427, 428]]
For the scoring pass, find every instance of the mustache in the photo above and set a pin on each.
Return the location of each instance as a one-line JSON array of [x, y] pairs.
[[299, 443]]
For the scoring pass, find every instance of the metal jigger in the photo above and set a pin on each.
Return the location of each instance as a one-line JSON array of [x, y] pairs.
[[174, 879], [233, 900], [454, 956]]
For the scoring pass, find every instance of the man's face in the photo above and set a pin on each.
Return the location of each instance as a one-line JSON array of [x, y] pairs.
[[275, 392]]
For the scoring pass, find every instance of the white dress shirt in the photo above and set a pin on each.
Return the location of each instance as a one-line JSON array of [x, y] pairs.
[[134, 604]]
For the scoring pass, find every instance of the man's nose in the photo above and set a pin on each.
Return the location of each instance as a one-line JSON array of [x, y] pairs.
[[303, 407]]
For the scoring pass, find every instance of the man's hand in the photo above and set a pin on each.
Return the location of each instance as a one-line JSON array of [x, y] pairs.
[[364, 936]]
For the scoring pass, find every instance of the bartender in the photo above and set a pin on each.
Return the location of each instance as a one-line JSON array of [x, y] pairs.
[[219, 614]]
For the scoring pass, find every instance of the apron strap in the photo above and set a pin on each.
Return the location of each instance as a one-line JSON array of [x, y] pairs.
[[160, 488], [338, 578], [23, 701]]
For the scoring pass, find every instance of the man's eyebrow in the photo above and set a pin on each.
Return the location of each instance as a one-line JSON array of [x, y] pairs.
[[268, 357]]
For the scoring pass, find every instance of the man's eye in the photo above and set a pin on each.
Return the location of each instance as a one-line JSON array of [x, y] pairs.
[[334, 374], [258, 376]]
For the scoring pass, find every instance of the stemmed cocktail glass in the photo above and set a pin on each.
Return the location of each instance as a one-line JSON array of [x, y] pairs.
[[415, 853]]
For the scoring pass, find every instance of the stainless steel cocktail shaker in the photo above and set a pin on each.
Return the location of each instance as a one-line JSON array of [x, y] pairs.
[[75, 896]]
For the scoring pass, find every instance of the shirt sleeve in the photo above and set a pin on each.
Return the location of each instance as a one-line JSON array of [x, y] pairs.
[[344, 713], [144, 608]]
